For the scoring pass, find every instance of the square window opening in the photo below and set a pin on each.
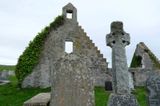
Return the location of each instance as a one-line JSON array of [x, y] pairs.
[[69, 15]]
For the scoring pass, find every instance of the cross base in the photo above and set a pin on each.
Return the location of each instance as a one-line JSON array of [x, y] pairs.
[[122, 100]]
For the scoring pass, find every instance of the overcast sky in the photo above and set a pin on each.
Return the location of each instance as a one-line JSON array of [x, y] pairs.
[[21, 20]]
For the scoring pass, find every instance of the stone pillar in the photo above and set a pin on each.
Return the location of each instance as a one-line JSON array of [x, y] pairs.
[[72, 82], [118, 39]]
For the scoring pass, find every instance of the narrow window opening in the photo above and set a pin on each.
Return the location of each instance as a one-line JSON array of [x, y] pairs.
[[68, 46]]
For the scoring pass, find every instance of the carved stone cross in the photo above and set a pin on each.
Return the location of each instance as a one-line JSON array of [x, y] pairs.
[[118, 39]]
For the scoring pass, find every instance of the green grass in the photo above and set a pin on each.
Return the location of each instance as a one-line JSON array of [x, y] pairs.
[[10, 95], [7, 67], [141, 95], [101, 96]]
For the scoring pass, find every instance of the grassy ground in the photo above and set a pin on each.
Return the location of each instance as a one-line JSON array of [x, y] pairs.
[[141, 95], [7, 67], [101, 96], [10, 95]]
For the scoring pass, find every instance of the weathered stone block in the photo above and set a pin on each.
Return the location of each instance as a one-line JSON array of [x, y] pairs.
[[72, 82]]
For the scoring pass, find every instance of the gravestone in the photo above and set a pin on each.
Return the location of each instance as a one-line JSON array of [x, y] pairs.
[[118, 39], [153, 86], [108, 86], [4, 75], [72, 82]]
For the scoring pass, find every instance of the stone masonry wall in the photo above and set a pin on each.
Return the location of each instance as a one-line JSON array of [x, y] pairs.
[[140, 75]]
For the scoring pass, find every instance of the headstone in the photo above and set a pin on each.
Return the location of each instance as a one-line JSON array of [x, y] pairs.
[[108, 86], [118, 39], [153, 86], [72, 82]]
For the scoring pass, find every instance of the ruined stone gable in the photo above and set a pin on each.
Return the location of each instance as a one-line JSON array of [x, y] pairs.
[[144, 64], [144, 58], [54, 48]]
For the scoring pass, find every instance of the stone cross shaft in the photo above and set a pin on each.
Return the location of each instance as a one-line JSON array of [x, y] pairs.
[[118, 39]]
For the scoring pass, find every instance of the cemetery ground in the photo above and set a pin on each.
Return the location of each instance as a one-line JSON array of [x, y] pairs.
[[11, 95]]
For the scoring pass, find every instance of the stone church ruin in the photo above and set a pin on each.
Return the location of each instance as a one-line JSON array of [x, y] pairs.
[[54, 48], [33, 68], [64, 58]]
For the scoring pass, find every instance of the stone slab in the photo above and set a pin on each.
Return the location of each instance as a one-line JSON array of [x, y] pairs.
[[41, 99], [3, 82]]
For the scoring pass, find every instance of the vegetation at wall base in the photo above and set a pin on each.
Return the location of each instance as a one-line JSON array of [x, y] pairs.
[[136, 61], [141, 95], [30, 57]]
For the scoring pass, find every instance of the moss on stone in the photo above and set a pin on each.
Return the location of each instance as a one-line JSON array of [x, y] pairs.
[[136, 61], [155, 61], [31, 55]]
